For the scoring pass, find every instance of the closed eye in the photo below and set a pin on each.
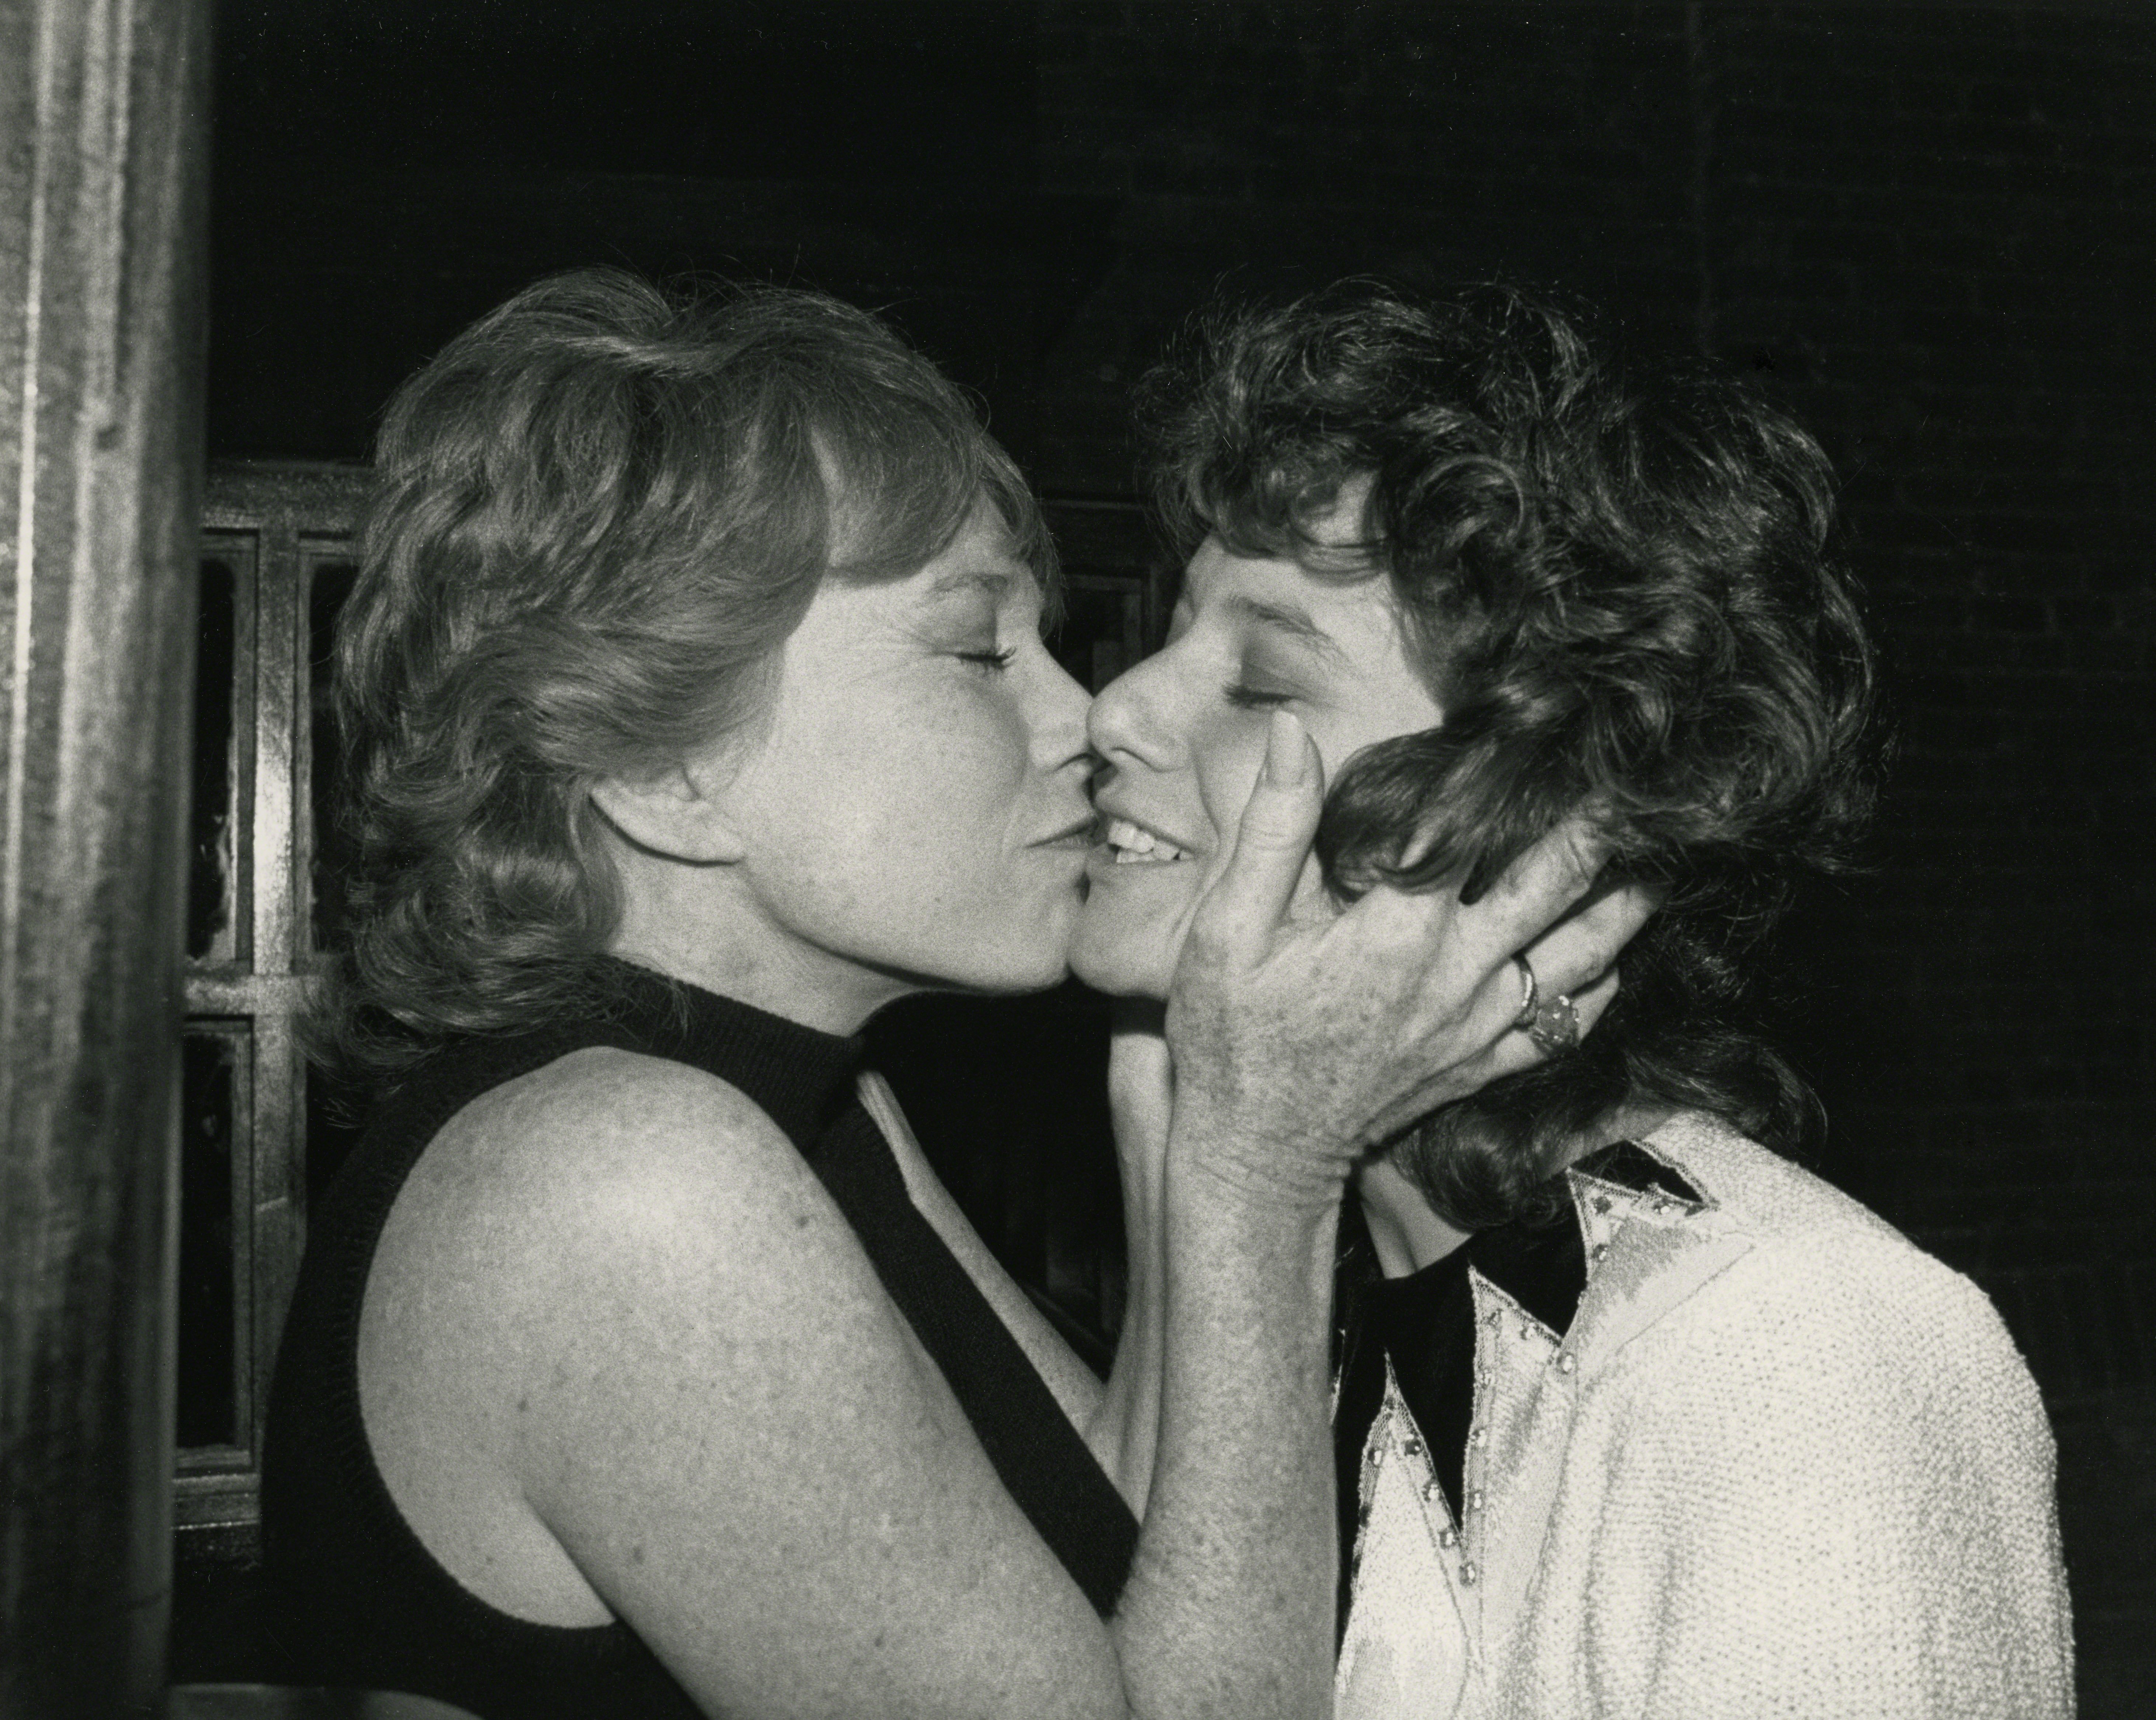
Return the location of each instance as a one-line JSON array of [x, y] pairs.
[[1245, 697], [990, 662]]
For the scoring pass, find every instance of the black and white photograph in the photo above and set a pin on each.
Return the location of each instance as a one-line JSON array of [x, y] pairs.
[[1077, 860]]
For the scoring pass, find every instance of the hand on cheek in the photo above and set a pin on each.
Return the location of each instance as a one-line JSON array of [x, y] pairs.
[[1312, 903], [1312, 1032]]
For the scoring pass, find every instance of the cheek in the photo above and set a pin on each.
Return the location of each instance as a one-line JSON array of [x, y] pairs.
[[970, 755], [1227, 760], [948, 775]]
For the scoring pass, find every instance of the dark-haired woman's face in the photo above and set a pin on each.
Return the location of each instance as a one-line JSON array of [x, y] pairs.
[[1182, 735]]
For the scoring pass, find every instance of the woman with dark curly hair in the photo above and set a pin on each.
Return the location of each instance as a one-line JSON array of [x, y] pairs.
[[698, 706], [1634, 1415]]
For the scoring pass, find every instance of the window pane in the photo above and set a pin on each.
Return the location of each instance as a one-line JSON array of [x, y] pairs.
[[211, 871], [1102, 632], [209, 1101]]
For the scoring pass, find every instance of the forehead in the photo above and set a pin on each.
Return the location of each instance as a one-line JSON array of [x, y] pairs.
[[1279, 594], [980, 567], [980, 561], [1345, 637]]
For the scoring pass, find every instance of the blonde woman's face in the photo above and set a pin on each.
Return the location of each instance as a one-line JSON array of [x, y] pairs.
[[1183, 734], [914, 809]]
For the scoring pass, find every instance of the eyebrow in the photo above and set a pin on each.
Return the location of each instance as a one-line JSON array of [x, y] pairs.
[[1288, 619], [964, 579]]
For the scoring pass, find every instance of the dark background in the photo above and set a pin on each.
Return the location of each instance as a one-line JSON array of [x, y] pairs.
[[1928, 231]]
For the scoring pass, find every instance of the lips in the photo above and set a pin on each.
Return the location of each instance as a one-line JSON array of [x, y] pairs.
[[1079, 833]]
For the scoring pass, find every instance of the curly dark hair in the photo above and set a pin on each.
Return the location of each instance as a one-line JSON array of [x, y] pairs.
[[1618, 582], [598, 512]]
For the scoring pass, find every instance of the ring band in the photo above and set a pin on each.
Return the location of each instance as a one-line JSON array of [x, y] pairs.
[[1555, 1029], [1531, 993]]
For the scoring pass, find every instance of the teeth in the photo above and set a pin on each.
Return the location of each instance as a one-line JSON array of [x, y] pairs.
[[1132, 844], [1123, 833]]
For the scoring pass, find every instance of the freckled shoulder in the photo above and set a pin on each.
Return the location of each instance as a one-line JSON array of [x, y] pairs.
[[619, 1255], [606, 1140], [678, 1377], [609, 1202]]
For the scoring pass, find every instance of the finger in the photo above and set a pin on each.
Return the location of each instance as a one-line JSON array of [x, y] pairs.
[[1138, 1047], [1585, 944], [1251, 896], [1141, 1085], [1450, 994], [1508, 1050], [1597, 995], [1467, 941], [1538, 889], [1468, 1000]]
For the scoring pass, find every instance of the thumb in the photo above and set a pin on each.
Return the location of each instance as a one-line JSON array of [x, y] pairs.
[[1141, 1076], [1251, 896]]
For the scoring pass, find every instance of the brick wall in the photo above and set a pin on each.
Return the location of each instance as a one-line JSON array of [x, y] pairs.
[[1930, 228]]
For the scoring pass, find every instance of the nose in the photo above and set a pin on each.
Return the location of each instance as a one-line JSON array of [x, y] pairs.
[[1058, 718], [1127, 721]]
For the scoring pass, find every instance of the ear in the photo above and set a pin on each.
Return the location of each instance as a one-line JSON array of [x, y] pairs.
[[674, 813]]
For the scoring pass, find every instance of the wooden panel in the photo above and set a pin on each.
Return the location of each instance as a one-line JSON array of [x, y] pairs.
[[276, 1216], [214, 1280], [235, 554], [280, 613], [217, 816], [101, 243]]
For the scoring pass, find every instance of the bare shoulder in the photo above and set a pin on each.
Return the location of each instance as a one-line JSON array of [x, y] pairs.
[[646, 1366], [604, 1182], [604, 1156], [606, 1194], [605, 1111]]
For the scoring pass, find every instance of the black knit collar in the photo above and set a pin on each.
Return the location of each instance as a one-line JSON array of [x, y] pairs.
[[800, 1076]]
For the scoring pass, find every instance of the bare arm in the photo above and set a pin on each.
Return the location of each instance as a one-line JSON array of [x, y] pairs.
[[1124, 1430], [713, 1410]]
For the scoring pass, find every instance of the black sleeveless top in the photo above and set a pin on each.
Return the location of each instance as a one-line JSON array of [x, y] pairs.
[[357, 1600]]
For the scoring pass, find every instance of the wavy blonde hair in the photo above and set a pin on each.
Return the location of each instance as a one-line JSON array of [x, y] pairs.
[[598, 512]]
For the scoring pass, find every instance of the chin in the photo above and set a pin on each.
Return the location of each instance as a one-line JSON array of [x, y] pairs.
[[1038, 976], [1029, 965], [1119, 972]]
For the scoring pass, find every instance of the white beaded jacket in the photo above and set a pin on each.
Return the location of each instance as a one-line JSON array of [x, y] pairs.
[[1781, 1463]]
